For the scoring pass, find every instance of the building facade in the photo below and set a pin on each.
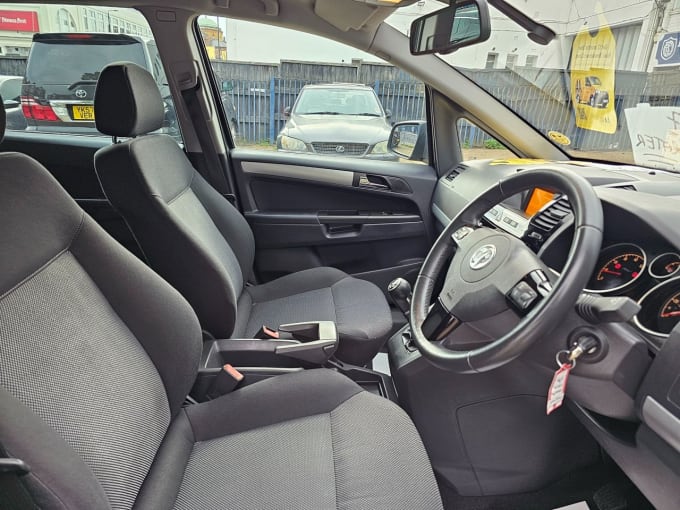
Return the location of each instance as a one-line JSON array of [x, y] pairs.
[[18, 23]]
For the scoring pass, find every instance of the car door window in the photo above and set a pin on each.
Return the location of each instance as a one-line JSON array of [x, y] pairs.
[[306, 94], [49, 72], [475, 143]]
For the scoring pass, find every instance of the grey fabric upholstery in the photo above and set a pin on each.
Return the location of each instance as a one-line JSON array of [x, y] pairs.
[[97, 354], [152, 184], [46, 338], [316, 434], [121, 112], [193, 237], [82, 325], [356, 306]]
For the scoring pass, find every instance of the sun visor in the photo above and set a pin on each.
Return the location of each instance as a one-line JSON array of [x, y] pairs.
[[345, 14]]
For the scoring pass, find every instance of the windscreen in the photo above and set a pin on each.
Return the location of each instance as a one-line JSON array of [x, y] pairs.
[[335, 101], [67, 63], [607, 87]]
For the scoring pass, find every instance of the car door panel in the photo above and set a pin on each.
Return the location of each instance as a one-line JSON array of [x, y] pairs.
[[367, 218], [70, 159]]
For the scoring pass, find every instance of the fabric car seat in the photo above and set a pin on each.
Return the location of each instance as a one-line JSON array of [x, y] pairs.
[[97, 354], [193, 237]]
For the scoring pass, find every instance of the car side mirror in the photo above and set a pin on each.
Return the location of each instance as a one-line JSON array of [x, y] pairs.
[[408, 140], [286, 112], [461, 24], [388, 114]]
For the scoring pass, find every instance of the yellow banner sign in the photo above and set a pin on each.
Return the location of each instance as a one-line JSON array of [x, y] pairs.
[[593, 64]]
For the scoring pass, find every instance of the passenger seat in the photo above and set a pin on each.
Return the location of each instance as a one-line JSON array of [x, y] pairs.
[[193, 237]]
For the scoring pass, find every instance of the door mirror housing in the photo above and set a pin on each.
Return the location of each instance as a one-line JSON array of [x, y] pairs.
[[408, 140], [286, 112], [463, 23]]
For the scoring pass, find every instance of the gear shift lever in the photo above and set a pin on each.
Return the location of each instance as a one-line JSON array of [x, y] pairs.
[[400, 293]]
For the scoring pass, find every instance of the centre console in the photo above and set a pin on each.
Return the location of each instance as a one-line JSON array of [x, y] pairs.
[[291, 348]]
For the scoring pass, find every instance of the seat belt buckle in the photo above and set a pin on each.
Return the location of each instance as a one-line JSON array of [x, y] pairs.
[[226, 381]]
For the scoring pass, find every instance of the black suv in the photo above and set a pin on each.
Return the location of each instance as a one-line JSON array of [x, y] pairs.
[[61, 75]]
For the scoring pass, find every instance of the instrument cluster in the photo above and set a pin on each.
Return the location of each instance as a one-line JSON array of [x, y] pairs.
[[627, 269]]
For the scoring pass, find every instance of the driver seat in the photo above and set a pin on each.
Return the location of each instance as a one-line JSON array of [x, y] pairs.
[[97, 354]]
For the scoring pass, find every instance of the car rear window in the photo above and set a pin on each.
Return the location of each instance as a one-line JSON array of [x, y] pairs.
[[61, 63]]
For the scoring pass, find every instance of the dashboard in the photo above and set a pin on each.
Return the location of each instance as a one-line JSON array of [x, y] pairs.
[[629, 398], [640, 256]]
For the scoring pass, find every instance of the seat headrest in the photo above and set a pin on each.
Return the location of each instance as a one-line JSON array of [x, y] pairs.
[[127, 102], [3, 119]]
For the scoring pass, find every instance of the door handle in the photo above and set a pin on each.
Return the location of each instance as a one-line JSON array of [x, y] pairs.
[[373, 182]]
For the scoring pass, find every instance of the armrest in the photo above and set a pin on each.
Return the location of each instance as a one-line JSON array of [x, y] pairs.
[[246, 352]]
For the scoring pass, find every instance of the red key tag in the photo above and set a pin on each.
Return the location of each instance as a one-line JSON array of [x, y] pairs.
[[558, 388]]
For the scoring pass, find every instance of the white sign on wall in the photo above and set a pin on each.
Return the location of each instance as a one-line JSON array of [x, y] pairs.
[[655, 135]]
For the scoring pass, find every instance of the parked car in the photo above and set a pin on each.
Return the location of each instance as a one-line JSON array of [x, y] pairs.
[[61, 75], [10, 91], [337, 119], [590, 91]]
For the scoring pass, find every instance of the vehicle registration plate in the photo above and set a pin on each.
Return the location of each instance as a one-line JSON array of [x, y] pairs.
[[83, 112]]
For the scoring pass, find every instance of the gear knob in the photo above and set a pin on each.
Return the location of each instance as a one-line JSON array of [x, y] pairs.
[[400, 293]]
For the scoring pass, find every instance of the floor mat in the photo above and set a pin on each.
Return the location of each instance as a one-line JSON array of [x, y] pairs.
[[603, 487]]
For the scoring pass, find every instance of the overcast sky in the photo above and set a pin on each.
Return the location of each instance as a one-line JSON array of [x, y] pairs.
[[254, 42]]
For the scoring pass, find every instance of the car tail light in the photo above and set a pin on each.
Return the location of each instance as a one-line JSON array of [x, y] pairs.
[[36, 111]]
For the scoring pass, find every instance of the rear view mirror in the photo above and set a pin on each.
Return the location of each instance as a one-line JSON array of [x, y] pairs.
[[463, 23]]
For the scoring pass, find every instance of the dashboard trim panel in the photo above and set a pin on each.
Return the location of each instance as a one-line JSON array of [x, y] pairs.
[[662, 421]]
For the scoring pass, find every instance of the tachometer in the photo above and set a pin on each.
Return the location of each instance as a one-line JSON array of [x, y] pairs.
[[618, 266]]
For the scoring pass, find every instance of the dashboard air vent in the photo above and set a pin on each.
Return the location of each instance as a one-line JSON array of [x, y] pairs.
[[545, 222], [455, 172], [628, 187], [550, 217]]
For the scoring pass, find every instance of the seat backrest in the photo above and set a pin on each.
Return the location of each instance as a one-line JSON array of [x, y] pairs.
[[190, 234], [97, 352]]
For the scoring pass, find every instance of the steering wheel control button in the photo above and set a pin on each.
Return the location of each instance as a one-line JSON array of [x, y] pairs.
[[523, 296], [462, 233], [483, 256]]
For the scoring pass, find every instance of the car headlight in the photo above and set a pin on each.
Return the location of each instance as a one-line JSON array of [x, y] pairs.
[[380, 148], [288, 143]]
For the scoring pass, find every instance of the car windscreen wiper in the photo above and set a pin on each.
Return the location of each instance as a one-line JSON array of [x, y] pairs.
[[367, 114], [319, 113], [81, 82]]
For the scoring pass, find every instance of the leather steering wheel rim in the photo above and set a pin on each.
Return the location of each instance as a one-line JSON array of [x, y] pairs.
[[581, 260]]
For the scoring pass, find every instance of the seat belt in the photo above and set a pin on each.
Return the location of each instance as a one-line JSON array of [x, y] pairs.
[[216, 175], [13, 493]]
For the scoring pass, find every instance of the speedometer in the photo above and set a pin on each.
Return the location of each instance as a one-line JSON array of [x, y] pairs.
[[671, 308], [618, 266]]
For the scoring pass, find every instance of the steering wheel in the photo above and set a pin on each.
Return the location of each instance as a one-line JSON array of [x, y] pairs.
[[492, 271]]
